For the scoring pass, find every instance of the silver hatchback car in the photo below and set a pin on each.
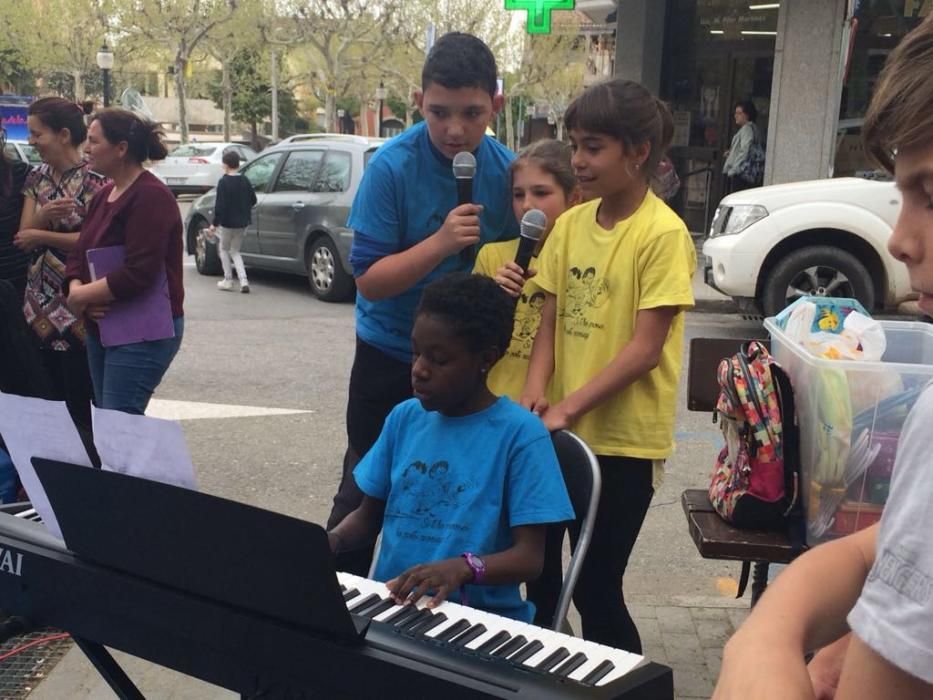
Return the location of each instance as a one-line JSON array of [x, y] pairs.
[[304, 191]]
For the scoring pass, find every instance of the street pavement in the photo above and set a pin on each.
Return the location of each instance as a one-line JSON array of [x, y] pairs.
[[259, 387]]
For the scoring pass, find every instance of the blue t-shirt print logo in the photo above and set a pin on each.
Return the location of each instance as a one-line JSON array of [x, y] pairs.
[[432, 491]]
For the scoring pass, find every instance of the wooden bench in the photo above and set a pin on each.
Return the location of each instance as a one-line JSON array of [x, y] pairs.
[[713, 536]]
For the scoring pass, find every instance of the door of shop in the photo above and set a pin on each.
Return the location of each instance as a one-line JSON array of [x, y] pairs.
[[705, 124]]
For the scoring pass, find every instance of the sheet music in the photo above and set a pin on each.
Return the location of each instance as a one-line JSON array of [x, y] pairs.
[[150, 448], [39, 428]]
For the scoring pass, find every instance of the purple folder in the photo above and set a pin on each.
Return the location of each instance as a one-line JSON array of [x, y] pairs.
[[144, 317]]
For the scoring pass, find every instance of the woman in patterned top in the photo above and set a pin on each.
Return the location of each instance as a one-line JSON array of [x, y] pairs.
[[57, 195]]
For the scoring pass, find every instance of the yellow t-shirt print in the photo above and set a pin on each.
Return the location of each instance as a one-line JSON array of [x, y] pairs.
[[507, 377], [602, 279]]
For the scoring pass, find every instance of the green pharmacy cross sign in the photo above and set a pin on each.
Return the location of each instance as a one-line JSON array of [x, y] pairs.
[[539, 12]]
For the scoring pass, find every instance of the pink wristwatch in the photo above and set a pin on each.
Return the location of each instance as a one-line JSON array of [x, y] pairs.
[[477, 566]]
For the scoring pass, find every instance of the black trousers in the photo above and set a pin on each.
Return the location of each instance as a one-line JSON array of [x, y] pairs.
[[378, 383], [626, 494]]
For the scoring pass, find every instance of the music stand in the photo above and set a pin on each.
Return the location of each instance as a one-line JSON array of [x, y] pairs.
[[253, 559]]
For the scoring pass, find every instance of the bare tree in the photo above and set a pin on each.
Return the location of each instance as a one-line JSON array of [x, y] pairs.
[[57, 46], [341, 41], [180, 26]]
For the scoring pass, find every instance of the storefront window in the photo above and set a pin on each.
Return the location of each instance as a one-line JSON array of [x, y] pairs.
[[878, 27], [719, 52]]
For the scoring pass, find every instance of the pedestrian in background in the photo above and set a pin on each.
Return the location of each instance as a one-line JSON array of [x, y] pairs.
[[233, 207], [57, 196], [744, 166], [136, 210]]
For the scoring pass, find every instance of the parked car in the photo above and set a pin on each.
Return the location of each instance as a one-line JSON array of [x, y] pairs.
[[196, 167], [21, 150], [304, 191], [770, 245]]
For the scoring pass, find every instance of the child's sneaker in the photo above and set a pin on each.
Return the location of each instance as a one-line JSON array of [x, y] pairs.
[[244, 289], [225, 285]]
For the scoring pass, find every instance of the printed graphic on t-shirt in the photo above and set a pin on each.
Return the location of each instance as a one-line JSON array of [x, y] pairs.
[[525, 327], [586, 291], [897, 570], [433, 495]]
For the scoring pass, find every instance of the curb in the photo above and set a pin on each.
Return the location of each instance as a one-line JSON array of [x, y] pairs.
[[715, 306]]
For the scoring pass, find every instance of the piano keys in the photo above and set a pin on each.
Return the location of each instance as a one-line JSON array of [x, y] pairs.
[[487, 635]]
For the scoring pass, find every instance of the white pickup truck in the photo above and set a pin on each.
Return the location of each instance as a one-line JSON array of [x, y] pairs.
[[770, 245]]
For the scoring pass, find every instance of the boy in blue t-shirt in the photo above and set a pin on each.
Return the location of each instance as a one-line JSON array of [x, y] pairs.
[[408, 229], [461, 482]]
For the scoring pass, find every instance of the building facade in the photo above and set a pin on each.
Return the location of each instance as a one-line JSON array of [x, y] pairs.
[[808, 66]]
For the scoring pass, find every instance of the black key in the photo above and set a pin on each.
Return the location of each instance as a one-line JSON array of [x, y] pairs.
[[405, 612], [594, 676], [526, 652], [367, 602], [553, 659], [429, 624], [511, 646], [352, 593], [468, 636], [384, 605], [571, 665], [422, 615], [493, 642], [453, 631]]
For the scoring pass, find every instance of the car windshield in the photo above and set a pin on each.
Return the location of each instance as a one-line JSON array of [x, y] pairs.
[[190, 150]]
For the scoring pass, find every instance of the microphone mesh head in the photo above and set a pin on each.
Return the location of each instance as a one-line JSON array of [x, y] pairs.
[[464, 165], [533, 224]]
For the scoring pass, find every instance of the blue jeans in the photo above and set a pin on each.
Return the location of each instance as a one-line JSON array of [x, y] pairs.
[[124, 376]]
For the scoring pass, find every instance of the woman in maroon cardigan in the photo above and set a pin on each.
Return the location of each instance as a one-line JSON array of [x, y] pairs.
[[136, 211]]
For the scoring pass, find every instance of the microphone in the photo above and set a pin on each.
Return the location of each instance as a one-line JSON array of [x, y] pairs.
[[531, 229], [464, 170]]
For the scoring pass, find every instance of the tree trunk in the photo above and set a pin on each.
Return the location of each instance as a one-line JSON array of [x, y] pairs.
[[254, 136], [509, 125], [409, 116], [78, 77], [275, 98], [227, 87], [364, 116], [330, 112], [180, 64]]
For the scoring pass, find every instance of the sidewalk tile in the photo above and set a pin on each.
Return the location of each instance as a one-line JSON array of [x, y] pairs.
[[642, 612], [692, 681], [674, 619], [709, 614], [713, 634], [683, 649]]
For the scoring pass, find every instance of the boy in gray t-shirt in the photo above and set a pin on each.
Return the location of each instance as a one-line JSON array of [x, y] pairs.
[[878, 580]]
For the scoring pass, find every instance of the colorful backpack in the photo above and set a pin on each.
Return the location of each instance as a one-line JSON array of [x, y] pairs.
[[755, 483]]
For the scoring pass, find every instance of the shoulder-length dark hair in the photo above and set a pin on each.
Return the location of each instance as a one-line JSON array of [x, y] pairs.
[[626, 111]]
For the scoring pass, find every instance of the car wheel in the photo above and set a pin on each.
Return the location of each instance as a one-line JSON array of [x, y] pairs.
[[820, 271], [329, 281], [205, 250]]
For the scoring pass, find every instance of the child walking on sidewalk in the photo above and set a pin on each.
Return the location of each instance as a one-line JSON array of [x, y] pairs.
[[233, 206]]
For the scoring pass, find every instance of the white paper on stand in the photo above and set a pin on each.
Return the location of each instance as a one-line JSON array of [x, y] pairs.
[[150, 448], [39, 428]]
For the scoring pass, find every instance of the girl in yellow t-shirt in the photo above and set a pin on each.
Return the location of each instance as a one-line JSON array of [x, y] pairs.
[[617, 274], [542, 178]]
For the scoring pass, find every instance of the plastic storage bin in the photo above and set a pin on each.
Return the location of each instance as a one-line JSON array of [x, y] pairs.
[[850, 415]]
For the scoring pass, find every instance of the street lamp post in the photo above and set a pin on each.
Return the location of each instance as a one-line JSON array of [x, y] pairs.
[[341, 113], [381, 96], [105, 63]]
